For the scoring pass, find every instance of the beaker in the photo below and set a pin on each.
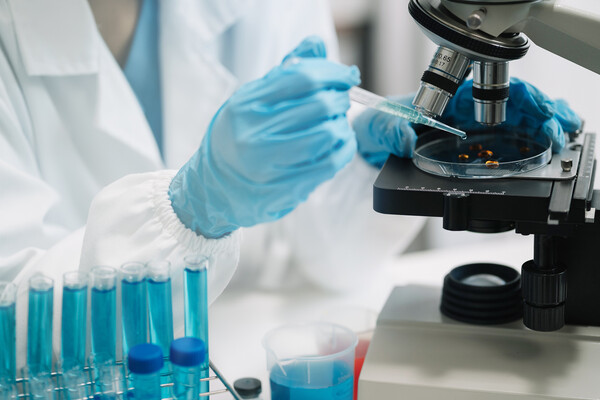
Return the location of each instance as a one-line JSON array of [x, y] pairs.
[[361, 321], [313, 361]]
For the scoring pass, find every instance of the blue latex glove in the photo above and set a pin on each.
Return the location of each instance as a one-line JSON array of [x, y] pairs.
[[270, 145], [527, 109], [378, 134]]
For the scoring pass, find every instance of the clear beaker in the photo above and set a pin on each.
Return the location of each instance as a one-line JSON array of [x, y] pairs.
[[313, 360], [361, 321]]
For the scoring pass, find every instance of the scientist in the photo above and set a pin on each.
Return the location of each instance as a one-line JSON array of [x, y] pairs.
[[152, 130]]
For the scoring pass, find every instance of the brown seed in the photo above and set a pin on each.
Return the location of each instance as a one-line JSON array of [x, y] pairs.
[[463, 157], [475, 147], [485, 154], [492, 164], [524, 150]]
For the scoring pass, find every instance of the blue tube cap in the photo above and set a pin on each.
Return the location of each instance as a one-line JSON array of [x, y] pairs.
[[145, 358], [187, 352]]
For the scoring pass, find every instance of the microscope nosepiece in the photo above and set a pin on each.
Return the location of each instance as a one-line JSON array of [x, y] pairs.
[[440, 81]]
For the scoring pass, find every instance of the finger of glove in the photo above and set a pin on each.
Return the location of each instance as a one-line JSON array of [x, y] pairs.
[[567, 118], [400, 138], [527, 99], [553, 130], [383, 132], [384, 135], [549, 128], [303, 179], [312, 46], [300, 79], [294, 186], [288, 152], [301, 113]]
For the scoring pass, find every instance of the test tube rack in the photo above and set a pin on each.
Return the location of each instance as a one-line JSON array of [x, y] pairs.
[[60, 391]]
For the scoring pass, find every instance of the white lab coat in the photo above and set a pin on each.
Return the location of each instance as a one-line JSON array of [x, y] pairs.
[[83, 183]]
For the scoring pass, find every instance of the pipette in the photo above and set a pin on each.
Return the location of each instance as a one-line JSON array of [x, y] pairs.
[[380, 103]]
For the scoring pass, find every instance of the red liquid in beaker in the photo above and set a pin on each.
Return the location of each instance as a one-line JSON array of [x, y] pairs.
[[359, 359]]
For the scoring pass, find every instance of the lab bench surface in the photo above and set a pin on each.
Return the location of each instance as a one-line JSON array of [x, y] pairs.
[[239, 318]]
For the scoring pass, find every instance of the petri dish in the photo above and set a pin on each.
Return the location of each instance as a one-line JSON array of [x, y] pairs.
[[483, 155]]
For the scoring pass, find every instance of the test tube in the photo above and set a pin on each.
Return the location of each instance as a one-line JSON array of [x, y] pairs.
[[39, 328], [145, 362], [76, 384], [160, 304], [8, 298], [110, 381], [104, 298], [8, 390], [73, 324], [187, 355], [196, 305], [134, 305], [41, 386], [161, 314]]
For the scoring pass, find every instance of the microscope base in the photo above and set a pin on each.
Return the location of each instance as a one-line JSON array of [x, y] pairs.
[[417, 353]]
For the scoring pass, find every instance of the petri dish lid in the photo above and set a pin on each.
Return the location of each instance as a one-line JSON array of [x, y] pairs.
[[483, 155]]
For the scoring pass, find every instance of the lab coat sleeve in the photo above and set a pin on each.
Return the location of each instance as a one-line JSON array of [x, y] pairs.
[[132, 220]]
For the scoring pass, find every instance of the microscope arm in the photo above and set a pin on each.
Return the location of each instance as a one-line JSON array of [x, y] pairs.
[[567, 32]]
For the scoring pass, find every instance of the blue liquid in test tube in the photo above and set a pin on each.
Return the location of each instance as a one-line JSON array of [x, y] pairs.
[[145, 362], [8, 297], [134, 305], [74, 313], [39, 328], [76, 384], [104, 301], [196, 306], [110, 381], [160, 308], [187, 355], [160, 304], [8, 390]]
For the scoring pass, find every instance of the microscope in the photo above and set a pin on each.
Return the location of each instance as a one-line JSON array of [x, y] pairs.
[[536, 335]]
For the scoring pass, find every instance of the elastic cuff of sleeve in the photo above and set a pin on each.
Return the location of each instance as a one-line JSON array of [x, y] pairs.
[[173, 226]]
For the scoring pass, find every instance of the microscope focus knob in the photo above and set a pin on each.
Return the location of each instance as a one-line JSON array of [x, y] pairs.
[[544, 295]]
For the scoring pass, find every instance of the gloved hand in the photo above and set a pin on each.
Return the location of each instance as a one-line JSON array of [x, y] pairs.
[[527, 109], [270, 145], [378, 134]]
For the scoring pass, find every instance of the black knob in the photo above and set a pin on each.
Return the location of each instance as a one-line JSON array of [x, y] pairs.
[[544, 319], [248, 388], [456, 211], [544, 296]]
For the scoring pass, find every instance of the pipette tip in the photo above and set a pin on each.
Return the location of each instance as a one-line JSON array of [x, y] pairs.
[[439, 125]]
